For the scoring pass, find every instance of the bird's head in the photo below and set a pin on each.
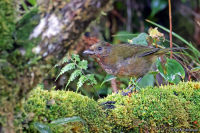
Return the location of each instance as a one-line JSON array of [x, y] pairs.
[[99, 50]]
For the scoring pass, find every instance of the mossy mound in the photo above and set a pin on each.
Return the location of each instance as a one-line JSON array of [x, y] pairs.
[[48, 106], [164, 108], [150, 110]]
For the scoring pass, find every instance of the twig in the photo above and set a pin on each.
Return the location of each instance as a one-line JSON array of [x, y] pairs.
[[170, 21], [86, 77]]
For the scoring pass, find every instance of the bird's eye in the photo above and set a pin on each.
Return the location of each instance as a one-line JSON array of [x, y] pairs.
[[99, 48]]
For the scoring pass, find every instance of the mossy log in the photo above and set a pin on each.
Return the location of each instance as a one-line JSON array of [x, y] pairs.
[[163, 109]]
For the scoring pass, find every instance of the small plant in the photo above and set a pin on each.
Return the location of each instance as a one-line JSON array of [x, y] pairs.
[[78, 66], [46, 128]]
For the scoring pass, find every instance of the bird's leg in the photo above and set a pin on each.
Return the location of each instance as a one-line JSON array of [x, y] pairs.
[[129, 86], [137, 81], [126, 88], [109, 105]]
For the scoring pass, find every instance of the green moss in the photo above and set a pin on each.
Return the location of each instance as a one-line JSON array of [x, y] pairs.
[[24, 28], [153, 109], [160, 108], [67, 104], [14, 38], [7, 24]]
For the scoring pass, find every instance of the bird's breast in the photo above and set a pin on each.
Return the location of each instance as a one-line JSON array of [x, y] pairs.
[[108, 65]]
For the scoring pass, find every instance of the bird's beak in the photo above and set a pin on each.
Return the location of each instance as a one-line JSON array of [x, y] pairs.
[[88, 52]]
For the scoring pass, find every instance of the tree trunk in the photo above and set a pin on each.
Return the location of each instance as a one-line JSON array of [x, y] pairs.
[[28, 45]]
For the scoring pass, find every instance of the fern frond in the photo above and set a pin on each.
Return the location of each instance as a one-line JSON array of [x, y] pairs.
[[83, 64], [75, 74], [91, 79], [75, 57], [81, 81], [66, 68], [80, 66], [96, 75], [64, 60]]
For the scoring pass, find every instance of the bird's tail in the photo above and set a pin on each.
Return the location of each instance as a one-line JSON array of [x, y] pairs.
[[165, 50]]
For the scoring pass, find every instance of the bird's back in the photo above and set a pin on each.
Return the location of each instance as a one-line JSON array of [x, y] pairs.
[[128, 62]]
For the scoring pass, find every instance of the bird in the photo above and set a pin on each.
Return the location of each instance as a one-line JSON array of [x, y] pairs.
[[126, 60]]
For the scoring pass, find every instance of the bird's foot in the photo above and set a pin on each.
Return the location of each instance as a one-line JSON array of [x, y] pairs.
[[108, 102], [125, 93], [109, 105]]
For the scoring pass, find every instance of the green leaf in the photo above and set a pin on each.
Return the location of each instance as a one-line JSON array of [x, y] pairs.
[[140, 39], [147, 80], [66, 68], [75, 74], [32, 2], [177, 79], [153, 72], [108, 78], [157, 5], [173, 68], [83, 64], [66, 120], [196, 69], [124, 36], [42, 128]]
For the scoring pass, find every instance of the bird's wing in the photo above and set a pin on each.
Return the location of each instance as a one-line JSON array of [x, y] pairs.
[[147, 52], [133, 50]]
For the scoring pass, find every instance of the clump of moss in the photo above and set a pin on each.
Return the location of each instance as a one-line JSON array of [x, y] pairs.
[[151, 109], [159, 109], [7, 24], [65, 104]]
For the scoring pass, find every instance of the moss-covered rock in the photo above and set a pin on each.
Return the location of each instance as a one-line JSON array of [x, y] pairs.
[[151, 110]]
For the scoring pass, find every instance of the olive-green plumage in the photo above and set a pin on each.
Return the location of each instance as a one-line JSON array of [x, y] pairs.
[[126, 60]]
